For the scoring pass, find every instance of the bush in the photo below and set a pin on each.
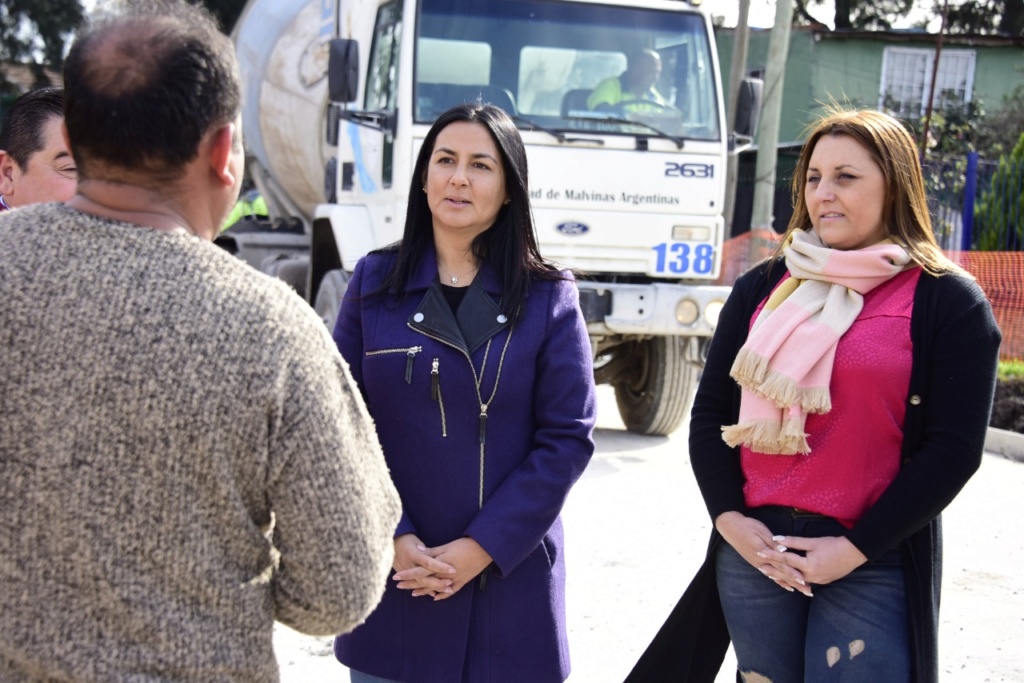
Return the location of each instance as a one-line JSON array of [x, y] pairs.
[[998, 130], [1011, 369], [999, 216]]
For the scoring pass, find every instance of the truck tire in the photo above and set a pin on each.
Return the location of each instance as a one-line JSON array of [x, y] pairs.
[[328, 297], [656, 398], [293, 270]]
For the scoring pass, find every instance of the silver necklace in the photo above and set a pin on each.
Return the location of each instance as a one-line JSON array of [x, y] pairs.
[[452, 277]]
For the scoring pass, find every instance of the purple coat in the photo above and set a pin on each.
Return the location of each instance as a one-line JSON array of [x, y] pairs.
[[412, 362]]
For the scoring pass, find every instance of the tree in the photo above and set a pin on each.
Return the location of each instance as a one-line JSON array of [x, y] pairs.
[[998, 130], [37, 31], [1004, 17], [953, 129], [874, 15]]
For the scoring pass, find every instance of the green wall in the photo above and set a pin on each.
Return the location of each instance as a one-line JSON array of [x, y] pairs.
[[848, 68]]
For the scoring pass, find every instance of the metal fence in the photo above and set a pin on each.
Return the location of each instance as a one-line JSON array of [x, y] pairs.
[[976, 204]]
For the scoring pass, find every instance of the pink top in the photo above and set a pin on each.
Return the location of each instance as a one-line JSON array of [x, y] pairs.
[[855, 448]]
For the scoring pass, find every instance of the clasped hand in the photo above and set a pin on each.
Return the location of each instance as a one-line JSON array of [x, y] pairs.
[[824, 560], [437, 572]]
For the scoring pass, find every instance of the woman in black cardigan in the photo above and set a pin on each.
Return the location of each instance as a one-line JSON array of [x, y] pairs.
[[948, 366]]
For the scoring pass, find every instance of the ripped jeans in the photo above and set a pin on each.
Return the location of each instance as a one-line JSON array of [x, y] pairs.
[[854, 630]]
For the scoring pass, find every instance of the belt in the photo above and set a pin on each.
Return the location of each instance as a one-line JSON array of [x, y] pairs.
[[797, 512]]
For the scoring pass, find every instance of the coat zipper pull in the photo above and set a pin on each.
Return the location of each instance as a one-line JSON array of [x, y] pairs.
[[483, 422], [435, 379], [410, 357]]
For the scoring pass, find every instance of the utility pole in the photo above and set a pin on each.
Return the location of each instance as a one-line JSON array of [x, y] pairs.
[[768, 131], [935, 75], [737, 70]]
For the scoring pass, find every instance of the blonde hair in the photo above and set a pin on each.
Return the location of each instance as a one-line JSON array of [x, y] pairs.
[[905, 211]]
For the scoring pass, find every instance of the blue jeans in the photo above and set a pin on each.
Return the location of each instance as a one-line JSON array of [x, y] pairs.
[[360, 677], [854, 630]]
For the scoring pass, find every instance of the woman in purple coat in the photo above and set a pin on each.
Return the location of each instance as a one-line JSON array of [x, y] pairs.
[[473, 357]]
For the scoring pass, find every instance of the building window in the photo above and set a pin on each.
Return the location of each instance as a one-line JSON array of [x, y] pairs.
[[907, 80]]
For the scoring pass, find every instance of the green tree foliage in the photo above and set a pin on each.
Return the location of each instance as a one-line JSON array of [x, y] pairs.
[[999, 216], [953, 128], [866, 15], [37, 31], [999, 129], [1005, 17], [957, 128]]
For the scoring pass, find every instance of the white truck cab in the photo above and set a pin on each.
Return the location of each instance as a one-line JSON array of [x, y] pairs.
[[340, 95]]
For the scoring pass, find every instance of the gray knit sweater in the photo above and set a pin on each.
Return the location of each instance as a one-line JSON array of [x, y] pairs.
[[160, 404]]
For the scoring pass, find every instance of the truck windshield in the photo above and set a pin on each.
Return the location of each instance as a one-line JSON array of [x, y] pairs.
[[569, 65]]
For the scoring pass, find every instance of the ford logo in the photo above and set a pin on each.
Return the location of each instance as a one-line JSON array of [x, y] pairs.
[[572, 228]]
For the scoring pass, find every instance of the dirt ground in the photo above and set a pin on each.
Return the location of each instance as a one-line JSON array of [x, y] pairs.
[[1008, 409]]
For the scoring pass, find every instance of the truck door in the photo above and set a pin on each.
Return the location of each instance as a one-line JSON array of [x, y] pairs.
[[381, 94]]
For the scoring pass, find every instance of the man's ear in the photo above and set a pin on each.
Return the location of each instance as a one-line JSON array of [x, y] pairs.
[[221, 154], [8, 169]]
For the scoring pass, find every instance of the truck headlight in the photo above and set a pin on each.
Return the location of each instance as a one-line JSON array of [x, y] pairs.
[[712, 311], [687, 311], [687, 233]]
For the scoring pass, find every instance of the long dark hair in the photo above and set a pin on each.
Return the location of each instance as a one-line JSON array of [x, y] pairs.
[[510, 245]]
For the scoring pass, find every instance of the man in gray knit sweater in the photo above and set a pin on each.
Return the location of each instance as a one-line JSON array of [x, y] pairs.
[[184, 457]]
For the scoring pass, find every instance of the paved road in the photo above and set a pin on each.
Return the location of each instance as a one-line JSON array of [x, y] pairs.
[[636, 531]]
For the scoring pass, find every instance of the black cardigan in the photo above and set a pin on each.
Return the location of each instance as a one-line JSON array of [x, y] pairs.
[[955, 355]]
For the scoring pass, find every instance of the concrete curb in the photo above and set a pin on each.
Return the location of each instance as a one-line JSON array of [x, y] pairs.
[[1005, 443]]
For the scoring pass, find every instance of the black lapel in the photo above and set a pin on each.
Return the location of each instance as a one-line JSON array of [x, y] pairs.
[[478, 319]]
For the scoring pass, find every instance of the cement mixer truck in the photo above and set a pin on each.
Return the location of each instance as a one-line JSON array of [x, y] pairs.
[[340, 94]]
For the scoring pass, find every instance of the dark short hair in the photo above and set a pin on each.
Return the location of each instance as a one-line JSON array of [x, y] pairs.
[[21, 134], [510, 245], [145, 84]]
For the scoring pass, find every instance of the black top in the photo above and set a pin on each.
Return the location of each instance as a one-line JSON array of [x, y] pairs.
[[952, 380], [955, 354], [454, 295]]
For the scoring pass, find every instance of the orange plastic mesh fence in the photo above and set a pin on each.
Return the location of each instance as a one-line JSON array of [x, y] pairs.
[[742, 251], [1000, 274]]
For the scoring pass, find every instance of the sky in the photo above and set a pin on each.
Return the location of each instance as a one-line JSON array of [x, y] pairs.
[[762, 12]]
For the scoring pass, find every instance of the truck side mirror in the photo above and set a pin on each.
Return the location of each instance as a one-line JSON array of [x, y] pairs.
[[748, 106], [343, 70]]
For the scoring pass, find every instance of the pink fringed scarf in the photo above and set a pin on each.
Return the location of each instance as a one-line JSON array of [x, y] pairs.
[[785, 366]]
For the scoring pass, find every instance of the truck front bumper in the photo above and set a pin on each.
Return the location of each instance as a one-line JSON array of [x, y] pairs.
[[654, 309]]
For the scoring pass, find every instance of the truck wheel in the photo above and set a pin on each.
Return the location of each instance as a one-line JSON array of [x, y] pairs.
[[293, 270], [656, 397], [328, 297]]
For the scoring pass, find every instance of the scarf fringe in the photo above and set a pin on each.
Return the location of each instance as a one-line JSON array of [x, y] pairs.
[[827, 288], [778, 387], [770, 437], [749, 368], [781, 390]]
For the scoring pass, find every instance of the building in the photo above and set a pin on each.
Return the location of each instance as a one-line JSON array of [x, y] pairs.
[[880, 68]]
